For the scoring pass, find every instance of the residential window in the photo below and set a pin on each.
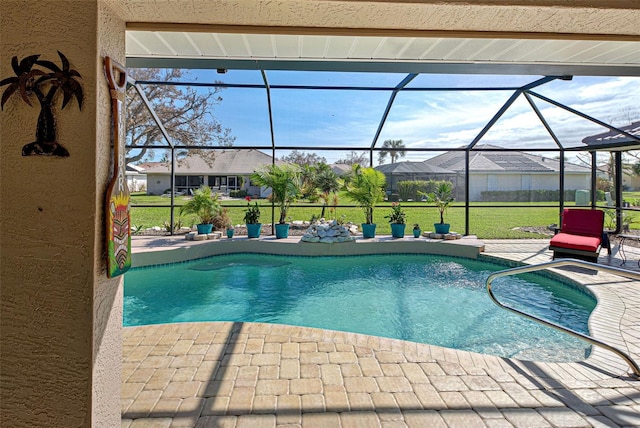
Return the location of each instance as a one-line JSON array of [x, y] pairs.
[[195, 181]]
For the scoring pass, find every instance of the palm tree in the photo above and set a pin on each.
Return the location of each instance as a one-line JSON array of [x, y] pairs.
[[25, 83], [327, 182], [394, 150], [442, 197], [365, 187], [204, 204], [307, 176], [285, 184]]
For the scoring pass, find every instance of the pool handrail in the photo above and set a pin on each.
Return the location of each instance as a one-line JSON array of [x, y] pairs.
[[566, 262]]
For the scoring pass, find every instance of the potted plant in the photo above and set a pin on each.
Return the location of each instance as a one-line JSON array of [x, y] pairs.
[[230, 231], [204, 204], [285, 183], [442, 197], [365, 186], [416, 230], [397, 218], [252, 219]]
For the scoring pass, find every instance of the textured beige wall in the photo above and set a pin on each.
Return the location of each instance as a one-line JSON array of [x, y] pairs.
[[60, 315], [584, 17], [107, 302]]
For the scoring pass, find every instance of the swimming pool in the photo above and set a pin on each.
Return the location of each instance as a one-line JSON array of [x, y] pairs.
[[422, 298]]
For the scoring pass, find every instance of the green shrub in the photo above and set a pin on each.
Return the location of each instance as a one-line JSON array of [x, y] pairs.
[[414, 189], [527, 196], [237, 193]]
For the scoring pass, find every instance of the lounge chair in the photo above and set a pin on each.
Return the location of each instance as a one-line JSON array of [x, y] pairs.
[[581, 235]]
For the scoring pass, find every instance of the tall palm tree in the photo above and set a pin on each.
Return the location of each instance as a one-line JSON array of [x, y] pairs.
[[394, 150]]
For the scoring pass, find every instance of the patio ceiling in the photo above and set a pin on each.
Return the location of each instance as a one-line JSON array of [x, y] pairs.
[[444, 55]]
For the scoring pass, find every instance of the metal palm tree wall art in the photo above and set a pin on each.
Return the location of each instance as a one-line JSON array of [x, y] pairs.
[[45, 83]]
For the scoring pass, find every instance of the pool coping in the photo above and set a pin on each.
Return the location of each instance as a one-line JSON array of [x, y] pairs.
[[163, 250]]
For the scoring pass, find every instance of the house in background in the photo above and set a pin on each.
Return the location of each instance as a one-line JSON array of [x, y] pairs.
[[630, 181], [509, 170], [225, 171], [136, 178], [489, 171], [341, 168], [411, 171]]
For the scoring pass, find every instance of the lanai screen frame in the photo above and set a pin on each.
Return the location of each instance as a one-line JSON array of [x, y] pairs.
[[526, 90]]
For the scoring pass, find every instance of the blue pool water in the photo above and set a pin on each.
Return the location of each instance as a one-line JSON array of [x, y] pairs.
[[428, 299]]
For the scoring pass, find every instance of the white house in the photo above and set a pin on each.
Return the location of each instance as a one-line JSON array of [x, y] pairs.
[[226, 170], [511, 170], [136, 178]]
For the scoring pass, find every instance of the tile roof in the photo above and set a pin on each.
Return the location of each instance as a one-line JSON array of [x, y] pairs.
[[412, 168], [615, 138], [230, 162], [506, 161]]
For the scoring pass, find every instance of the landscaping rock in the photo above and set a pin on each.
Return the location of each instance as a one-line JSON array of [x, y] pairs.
[[328, 232], [445, 236]]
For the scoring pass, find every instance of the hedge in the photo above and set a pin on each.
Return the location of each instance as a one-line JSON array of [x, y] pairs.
[[531, 195], [410, 189]]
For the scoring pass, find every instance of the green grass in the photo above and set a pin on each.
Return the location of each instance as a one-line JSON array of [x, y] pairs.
[[486, 223]]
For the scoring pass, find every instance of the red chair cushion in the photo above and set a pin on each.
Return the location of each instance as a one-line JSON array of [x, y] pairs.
[[583, 222], [576, 242]]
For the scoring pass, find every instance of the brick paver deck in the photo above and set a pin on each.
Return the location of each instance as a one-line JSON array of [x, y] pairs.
[[262, 375]]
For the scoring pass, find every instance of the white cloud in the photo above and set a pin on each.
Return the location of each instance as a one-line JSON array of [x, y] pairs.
[[440, 119]]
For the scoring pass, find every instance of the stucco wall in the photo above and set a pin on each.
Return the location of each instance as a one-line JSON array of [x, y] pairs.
[[615, 17], [137, 183], [157, 184], [107, 294], [479, 183], [60, 315], [577, 182]]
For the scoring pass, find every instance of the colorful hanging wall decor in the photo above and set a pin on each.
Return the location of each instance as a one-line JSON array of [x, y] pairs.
[[117, 198]]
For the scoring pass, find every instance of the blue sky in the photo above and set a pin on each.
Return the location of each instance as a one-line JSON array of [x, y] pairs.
[[439, 119]]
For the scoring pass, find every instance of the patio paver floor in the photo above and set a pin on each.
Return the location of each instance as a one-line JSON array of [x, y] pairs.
[[255, 375]]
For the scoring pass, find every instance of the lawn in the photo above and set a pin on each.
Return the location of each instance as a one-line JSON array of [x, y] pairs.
[[485, 222]]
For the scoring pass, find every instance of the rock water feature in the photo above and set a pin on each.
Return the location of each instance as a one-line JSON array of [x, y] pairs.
[[329, 232]]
